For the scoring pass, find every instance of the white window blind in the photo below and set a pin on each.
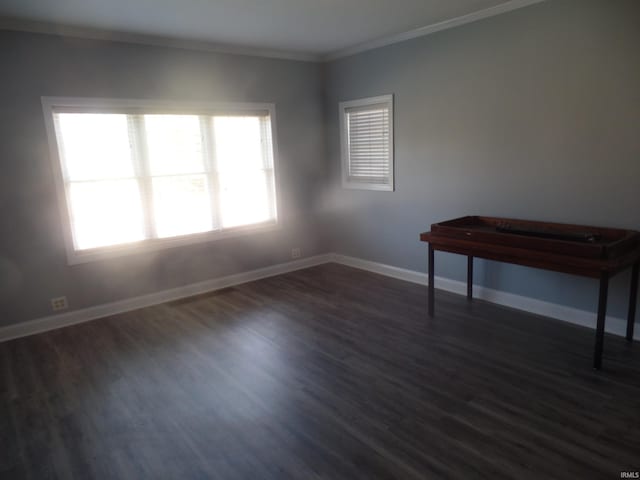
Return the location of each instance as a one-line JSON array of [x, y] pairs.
[[130, 177], [367, 143]]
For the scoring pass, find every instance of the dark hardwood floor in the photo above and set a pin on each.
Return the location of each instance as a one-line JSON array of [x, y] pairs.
[[328, 372]]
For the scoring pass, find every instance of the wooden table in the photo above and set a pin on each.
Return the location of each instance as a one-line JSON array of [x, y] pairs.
[[577, 249]]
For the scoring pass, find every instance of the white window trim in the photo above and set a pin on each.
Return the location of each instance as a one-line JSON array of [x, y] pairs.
[[74, 256], [344, 145]]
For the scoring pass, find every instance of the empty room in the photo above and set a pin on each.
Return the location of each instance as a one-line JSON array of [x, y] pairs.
[[302, 239]]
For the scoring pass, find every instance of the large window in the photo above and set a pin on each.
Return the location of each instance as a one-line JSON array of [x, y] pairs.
[[366, 134], [136, 174]]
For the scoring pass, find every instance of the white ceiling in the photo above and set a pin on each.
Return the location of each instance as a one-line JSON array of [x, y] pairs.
[[307, 27]]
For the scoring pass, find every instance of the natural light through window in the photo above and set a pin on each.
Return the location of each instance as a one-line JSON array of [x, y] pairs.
[[133, 177], [105, 205], [245, 170], [181, 202]]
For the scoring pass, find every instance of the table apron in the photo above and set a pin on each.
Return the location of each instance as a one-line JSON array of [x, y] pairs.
[[593, 272]]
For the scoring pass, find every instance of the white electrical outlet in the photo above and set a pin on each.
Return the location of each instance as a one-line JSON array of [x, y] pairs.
[[59, 303], [295, 253]]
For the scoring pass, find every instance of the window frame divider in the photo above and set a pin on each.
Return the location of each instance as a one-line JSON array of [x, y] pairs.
[[138, 139], [269, 168], [211, 169]]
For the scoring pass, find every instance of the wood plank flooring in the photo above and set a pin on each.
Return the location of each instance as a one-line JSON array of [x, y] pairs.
[[324, 373]]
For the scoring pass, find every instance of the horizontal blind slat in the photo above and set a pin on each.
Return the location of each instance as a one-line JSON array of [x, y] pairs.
[[368, 144]]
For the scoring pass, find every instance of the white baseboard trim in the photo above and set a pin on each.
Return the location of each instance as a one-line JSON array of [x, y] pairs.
[[52, 322], [614, 325]]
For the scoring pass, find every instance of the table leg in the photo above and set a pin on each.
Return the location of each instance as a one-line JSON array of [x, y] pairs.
[[633, 299], [469, 277], [602, 313], [431, 280]]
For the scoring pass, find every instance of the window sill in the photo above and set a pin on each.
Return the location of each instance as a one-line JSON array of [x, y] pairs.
[[76, 257], [367, 186]]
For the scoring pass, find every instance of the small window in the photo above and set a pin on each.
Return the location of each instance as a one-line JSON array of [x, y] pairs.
[[137, 175], [366, 131]]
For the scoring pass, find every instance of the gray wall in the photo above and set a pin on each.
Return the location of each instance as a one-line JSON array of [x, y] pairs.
[[533, 114], [33, 265]]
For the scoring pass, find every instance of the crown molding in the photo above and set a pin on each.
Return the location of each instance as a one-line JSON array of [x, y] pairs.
[[16, 24], [429, 29], [20, 25]]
